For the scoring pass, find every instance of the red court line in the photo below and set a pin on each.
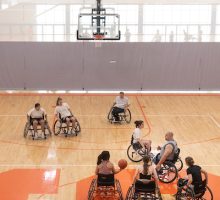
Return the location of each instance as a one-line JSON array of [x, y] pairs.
[[145, 117], [202, 141]]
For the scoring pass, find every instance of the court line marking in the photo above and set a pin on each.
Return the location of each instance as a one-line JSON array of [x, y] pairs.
[[214, 120], [145, 117]]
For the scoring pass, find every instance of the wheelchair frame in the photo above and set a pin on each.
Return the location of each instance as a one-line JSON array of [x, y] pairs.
[[62, 128], [29, 128], [122, 116], [139, 193], [189, 194], [167, 167], [110, 191]]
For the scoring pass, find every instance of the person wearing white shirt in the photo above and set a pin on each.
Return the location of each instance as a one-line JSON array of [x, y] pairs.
[[63, 112], [137, 139], [37, 116], [120, 105]]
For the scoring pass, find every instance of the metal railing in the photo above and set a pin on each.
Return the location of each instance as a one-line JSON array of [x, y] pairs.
[[152, 32]]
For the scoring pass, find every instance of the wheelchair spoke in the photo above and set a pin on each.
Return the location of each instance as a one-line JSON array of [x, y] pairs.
[[167, 173], [57, 127], [179, 164], [133, 155]]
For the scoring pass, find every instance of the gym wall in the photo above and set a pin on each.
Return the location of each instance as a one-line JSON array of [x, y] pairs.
[[113, 66]]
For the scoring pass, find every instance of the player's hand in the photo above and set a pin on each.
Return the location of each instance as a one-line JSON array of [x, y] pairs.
[[158, 167], [159, 148]]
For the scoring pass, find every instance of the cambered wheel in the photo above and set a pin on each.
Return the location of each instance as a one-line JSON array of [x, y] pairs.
[[133, 155]]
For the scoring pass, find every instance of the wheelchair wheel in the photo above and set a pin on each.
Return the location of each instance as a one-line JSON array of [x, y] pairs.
[[26, 129], [48, 129], [57, 127], [130, 193], [92, 189], [77, 128], [184, 194], [208, 194], [110, 116], [179, 164], [127, 116], [133, 155], [168, 172], [205, 195], [118, 186]]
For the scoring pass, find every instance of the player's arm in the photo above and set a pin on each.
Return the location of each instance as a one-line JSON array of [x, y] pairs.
[[97, 170], [155, 177], [115, 101], [56, 114], [45, 115], [190, 180], [127, 105], [205, 174], [29, 116], [69, 109], [115, 171], [167, 152]]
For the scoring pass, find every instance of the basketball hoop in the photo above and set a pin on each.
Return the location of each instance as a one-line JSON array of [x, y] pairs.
[[98, 38]]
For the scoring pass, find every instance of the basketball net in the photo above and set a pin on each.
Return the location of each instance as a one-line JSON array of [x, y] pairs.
[[98, 40]]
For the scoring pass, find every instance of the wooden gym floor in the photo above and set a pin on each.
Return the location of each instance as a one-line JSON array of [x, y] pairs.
[[59, 168]]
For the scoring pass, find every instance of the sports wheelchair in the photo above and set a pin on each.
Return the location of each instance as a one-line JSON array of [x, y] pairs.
[[168, 172], [29, 130], [105, 187], [123, 117], [60, 126], [143, 191], [202, 192]]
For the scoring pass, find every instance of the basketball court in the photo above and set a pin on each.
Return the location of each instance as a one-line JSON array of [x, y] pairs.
[[87, 52]]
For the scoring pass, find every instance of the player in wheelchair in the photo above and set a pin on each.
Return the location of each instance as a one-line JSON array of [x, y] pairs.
[[105, 186], [167, 158], [145, 184], [65, 122], [37, 117], [119, 111], [139, 147], [194, 186]]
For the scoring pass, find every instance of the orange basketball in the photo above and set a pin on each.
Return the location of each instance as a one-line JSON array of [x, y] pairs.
[[122, 163]]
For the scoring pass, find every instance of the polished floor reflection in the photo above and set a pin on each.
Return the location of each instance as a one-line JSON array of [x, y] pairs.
[[54, 169]]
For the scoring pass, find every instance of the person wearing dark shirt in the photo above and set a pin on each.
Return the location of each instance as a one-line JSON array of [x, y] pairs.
[[194, 175]]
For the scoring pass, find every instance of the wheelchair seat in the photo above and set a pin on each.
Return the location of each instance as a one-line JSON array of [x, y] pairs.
[[143, 190], [28, 129], [123, 116], [60, 126], [105, 180], [105, 187], [200, 189], [145, 187]]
